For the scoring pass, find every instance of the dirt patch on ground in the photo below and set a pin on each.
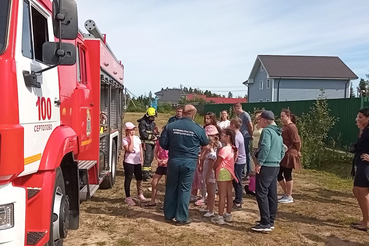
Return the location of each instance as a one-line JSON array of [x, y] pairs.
[[319, 216]]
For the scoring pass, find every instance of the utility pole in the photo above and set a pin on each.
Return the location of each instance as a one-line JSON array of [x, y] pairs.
[[125, 98]]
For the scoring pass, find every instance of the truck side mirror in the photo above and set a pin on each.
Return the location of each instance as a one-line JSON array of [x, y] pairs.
[[58, 54], [65, 19]]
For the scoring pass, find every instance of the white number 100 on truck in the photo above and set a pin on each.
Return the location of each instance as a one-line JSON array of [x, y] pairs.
[[61, 112]]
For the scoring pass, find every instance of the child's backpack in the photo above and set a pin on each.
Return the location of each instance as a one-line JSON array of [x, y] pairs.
[[250, 188], [252, 183]]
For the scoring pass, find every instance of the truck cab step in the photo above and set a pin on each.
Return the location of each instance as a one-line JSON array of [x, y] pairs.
[[87, 191], [86, 164]]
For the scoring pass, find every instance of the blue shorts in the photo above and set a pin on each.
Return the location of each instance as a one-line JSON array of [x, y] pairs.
[[362, 176]]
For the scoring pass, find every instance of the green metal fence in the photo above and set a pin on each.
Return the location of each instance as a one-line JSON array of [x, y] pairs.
[[343, 133]]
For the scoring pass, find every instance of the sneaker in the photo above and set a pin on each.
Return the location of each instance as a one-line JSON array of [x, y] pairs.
[[130, 201], [208, 215], [261, 228], [218, 220], [237, 206], [200, 202], [249, 192], [287, 199], [228, 217], [203, 210], [271, 224], [141, 198], [282, 197]]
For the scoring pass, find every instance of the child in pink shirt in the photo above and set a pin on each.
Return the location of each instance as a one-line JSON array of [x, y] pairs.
[[161, 155], [224, 171]]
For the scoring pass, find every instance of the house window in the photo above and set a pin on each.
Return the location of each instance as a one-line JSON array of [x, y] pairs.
[[261, 85], [268, 84], [34, 29], [261, 68]]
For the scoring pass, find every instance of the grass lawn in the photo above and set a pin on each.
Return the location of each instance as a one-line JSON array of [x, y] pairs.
[[323, 209]]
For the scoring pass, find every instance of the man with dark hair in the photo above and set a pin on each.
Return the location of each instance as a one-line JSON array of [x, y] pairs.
[[270, 154], [178, 115], [183, 139], [246, 129]]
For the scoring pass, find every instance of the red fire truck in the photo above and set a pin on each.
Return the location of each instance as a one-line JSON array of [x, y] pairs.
[[61, 97]]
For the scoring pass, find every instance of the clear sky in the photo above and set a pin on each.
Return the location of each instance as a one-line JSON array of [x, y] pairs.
[[213, 44]]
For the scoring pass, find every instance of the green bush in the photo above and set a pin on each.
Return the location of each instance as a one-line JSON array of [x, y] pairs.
[[135, 106], [166, 108], [199, 119], [313, 128]]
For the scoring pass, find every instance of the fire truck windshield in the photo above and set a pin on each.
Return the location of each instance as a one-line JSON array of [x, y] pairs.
[[4, 16]]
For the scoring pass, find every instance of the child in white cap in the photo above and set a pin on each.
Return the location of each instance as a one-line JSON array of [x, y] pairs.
[[133, 161]]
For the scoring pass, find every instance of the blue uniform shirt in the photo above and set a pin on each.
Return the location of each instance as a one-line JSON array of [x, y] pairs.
[[182, 138], [172, 119]]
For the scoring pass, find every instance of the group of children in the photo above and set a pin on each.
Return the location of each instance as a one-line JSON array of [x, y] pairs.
[[214, 174]]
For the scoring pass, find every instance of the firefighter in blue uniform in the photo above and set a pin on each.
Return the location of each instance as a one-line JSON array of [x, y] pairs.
[[182, 138], [148, 134]]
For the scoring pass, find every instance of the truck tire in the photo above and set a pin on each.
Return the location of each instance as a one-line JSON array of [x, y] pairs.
[[59, 212], [109, 180]]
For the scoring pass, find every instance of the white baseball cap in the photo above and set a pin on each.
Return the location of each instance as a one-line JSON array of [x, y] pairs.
[[129, 126]]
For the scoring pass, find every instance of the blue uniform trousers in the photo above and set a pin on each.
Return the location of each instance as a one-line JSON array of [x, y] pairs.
[[178, 188]]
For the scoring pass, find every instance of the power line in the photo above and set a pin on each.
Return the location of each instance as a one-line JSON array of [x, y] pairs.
[[130, 92], [212, 86], [229, 91]]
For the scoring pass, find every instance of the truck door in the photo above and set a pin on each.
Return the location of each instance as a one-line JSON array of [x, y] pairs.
[[38, 108], [83, 99]]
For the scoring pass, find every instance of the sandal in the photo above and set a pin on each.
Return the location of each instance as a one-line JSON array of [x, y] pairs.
[[360, 228], [150, 205], [200, 202]]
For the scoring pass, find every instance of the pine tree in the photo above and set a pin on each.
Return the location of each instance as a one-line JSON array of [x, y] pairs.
[[363, 88]]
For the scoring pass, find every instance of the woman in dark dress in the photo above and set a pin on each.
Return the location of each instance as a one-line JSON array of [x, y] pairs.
[[361, 161], [291, 160]]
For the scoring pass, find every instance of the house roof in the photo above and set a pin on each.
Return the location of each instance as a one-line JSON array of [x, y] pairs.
[[169, 95], [217, 100], [324, 67]]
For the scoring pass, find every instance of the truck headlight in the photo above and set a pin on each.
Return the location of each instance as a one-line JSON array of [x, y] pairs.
[[6, 216]]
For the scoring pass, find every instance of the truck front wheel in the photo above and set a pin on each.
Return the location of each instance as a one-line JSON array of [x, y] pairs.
[[59, 212]]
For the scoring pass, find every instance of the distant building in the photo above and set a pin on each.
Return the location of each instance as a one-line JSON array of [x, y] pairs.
[[216, 100], [172, 96], [292, 78]]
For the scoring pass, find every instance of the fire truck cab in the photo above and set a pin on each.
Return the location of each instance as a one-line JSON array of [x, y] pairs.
[[61, 112]]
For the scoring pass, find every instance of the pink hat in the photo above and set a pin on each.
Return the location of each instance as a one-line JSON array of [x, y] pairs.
[[129, 126], [211, 130]]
